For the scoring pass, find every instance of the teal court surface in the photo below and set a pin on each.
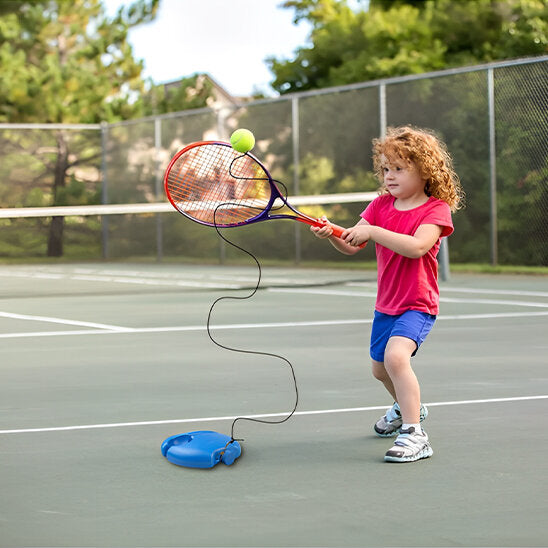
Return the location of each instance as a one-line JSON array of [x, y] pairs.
[[101, 362]]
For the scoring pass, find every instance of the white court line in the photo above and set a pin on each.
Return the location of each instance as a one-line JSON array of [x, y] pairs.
[[168, 329], [519, 292], [492, 301], [31, 334], [450, 289], [117, 330], [176, 279], [48, 319], [311, 291], [343, 293], [156, 282], [493, 316], [153, 279], [262, 416]]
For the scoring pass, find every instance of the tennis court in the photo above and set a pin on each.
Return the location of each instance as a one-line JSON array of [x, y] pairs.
[[101, 362]]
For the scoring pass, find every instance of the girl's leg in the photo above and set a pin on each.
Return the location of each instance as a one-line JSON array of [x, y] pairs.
[[397, 364], [380, 373]]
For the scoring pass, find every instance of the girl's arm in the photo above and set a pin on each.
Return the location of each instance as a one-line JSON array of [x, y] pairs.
[[414, 246], [337, 243]]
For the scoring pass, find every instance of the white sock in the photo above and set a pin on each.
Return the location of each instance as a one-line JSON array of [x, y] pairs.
[[417, 427]]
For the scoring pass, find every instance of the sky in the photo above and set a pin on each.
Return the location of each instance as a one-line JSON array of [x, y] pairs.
[[228, 39]]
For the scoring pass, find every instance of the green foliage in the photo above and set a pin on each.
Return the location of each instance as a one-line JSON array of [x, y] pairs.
[[192, 92], [395, 38], [67, 62], [522, 168], [400, 37], [316, 174]]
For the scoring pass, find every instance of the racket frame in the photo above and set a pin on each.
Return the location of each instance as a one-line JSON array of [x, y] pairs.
[[265, 212]]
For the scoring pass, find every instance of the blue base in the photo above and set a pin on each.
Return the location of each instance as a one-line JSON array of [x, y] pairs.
[[202, 449]]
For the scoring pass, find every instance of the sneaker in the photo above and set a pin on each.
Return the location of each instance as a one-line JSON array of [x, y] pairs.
[[409, 446], [390, 424]]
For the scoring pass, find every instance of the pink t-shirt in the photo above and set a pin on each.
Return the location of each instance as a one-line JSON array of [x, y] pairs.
[[404, 283]]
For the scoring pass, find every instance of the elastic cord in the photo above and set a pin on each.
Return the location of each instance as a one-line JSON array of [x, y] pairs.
[[243, 351]]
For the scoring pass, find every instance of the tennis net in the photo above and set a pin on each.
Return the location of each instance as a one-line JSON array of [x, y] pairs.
[[163, 207], [154, 231]]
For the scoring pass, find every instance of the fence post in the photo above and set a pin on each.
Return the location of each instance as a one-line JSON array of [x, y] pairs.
[[382, 109], [158, 188], [492, 166], [104, 188], [296, 190], [222, 115]]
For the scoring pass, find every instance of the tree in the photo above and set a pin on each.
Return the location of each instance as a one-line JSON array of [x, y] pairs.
[[395, 38], [191, 92], [398, 37], [66, 62]]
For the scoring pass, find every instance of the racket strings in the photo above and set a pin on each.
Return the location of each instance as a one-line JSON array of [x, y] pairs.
[[202, 188], [244, 351], [267, 179]]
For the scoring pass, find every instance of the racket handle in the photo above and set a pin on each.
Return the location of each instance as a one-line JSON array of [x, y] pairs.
[[337, 230]]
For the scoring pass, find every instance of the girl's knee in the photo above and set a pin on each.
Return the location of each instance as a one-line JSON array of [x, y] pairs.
[[378, 370], [398, 351]]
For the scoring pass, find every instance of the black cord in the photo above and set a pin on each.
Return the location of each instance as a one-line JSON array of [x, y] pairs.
[[253, 292], [269, 179]]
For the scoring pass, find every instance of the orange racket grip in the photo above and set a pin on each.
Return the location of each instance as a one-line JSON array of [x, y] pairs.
[[337, 230]]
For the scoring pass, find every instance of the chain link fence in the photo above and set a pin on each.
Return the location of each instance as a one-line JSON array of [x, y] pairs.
[[494, 119]]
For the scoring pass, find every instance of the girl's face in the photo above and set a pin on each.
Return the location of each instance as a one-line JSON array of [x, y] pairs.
[[401, 179]]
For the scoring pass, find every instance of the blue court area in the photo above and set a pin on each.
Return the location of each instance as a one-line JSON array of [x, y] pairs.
[[102, 362]]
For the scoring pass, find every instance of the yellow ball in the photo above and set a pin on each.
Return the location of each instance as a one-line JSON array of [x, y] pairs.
[[242, 140]]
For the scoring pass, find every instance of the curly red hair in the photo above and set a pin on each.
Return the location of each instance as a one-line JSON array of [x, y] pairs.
[[428, 153]]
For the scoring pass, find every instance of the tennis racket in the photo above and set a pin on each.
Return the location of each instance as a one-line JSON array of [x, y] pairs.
[[211, 183]]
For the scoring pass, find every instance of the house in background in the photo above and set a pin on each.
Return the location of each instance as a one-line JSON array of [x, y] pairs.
[[202, 86], [220, 97]]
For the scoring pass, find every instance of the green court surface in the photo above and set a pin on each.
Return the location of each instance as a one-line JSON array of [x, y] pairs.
[[101, 362]]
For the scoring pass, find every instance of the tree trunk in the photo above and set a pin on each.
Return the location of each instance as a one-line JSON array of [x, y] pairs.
[[55, 238]]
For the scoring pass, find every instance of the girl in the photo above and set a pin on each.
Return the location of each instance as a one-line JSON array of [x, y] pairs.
[[419, 190]]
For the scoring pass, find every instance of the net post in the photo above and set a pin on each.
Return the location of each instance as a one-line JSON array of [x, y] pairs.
[[444, 260]]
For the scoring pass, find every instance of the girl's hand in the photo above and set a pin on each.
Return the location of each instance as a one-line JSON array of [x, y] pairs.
[[322, 232], [357, 235]]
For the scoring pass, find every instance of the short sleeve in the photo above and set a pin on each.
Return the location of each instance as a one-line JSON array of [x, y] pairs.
[[440, 214], [370, 212]]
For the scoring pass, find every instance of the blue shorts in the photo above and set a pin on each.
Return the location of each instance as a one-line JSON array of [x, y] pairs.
[[412, 324]]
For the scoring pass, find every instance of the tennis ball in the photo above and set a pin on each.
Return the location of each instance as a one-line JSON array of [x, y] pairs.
[[242, 140]]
